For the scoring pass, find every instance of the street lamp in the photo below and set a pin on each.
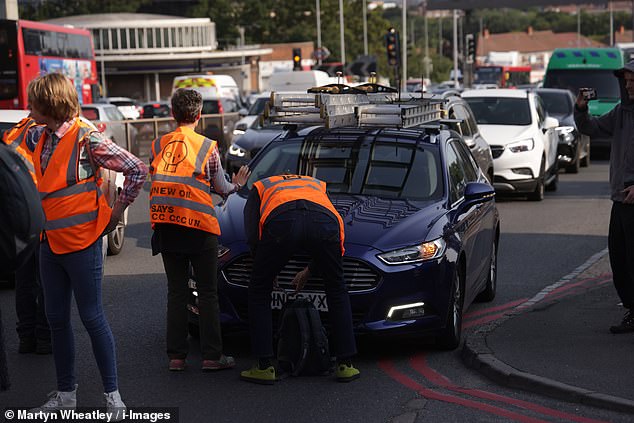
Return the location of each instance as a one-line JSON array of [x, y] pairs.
[[318, 30], [341, 37]]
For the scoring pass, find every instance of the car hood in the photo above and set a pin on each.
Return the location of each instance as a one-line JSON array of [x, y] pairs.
[[371, 221], [257, 138], [505, 134]]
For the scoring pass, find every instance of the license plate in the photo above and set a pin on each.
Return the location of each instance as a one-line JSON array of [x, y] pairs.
[[279, 298]]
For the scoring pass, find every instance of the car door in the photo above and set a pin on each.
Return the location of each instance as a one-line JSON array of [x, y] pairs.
[[467, 220], [476, 143], [548, 135]]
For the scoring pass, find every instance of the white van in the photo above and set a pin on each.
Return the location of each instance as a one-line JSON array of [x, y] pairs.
[[297, 80], [209, 86]]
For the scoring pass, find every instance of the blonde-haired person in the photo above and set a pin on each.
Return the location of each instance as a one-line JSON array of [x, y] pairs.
[[67, 151]]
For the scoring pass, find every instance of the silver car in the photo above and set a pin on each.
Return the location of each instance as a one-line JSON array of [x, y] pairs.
[[111, 122]]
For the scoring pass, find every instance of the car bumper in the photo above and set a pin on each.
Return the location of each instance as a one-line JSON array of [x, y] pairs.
[[397, 286]]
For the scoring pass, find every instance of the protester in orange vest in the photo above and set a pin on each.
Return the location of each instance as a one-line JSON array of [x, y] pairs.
[[283, 215], [32, 326], [67, 155], [184, 168]]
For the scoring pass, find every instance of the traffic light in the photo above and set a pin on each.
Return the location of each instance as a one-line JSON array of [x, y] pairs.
[[297, 59], [471, 48], [393, 47]]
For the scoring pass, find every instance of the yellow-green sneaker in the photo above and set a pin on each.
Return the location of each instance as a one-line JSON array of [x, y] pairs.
[[346, 373], [257, 375]]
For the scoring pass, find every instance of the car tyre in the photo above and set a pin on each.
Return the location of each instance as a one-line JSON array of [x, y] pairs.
[[538, 194], [574, 166], [449, 339], [490, 289], [116, 238], [552, 186]]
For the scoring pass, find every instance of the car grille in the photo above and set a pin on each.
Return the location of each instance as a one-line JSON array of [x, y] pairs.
[[358, 275], [497, 150]]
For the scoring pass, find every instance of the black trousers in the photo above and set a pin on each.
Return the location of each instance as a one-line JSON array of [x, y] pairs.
[[29, 303], [205, 265], [318, 235], [621, 248]]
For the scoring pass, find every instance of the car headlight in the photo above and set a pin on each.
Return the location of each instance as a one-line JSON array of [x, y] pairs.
[[566, 133], [521, 145], [238, 132], [421, 252], [222, 250], [234, 150]]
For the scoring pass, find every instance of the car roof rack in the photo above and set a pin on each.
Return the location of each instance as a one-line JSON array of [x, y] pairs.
[[337, 105]]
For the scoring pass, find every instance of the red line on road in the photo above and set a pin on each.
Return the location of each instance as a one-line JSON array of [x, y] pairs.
[[573, 285], [485, 319], [388, 367], [498, 308], [578, 290], [419, 363]]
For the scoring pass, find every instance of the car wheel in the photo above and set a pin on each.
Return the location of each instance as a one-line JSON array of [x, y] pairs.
[[574, 166], [116, 238], [538, 194], [552, 186], [449, 339], [491, 287]]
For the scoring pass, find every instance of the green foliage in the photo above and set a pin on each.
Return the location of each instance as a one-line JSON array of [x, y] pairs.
[[58, 8]]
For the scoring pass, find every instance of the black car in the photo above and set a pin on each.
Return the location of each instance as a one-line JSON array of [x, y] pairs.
[[573, 149]]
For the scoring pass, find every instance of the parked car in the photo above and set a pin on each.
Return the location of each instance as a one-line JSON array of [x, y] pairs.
[[457, 108], [157, 109], [110, 121], [128, 107], [418, 251], [573, 149], [107, 119], [522, 137], [246, 146], [250, 117], [212, 130]]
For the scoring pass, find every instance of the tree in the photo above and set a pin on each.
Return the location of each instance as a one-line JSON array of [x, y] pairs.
[[58, 8]]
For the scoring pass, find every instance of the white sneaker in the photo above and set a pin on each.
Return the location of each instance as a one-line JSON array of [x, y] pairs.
[[58, 400], [115, 406]]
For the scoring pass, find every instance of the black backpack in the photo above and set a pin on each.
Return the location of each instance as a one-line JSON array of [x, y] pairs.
[[302, 343], [21, 216]]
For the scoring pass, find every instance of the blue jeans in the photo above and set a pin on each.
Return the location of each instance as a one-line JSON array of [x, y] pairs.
[[77, 273]]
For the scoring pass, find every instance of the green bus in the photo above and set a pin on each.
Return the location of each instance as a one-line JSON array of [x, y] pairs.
[[574, 68]]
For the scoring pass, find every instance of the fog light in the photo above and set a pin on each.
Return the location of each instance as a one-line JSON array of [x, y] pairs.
[[406, 311], [522, 171]]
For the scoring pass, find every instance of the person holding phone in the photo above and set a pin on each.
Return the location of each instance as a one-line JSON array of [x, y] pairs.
[[617, 124]]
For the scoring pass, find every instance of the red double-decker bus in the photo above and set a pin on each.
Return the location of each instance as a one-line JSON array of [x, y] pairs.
[[29, 49], [502, 76]]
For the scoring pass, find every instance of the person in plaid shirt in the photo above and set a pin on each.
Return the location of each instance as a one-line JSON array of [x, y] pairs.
[[67, 152]]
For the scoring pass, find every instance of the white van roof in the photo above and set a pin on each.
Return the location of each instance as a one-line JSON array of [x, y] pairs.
[[297, 80], [209, 86]]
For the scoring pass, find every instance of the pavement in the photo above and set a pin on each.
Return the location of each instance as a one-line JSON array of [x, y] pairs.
[[558, 343]]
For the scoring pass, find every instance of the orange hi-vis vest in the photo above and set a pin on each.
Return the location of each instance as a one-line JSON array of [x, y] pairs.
[[15, 138], [277, 190], [181, 193], [76, 210]]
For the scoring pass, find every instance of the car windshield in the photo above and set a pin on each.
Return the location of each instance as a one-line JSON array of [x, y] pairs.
[[384, 169], [258, 107], [121, 103], [90, 113], [556, 103], [500, 110], [602, 80]]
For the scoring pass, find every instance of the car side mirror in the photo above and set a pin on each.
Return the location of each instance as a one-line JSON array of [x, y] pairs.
[[478, 192], [550, 123], [243, 112]]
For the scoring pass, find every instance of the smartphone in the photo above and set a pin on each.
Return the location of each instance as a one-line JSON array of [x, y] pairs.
[[588, 93]]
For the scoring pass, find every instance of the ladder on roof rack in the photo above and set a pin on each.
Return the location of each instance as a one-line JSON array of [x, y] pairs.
[[333, 106]]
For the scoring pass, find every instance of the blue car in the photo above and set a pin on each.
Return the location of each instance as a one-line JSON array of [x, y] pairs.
[[421, 228]]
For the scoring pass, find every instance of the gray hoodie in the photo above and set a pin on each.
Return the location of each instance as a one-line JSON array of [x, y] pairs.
[[617, 124]]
